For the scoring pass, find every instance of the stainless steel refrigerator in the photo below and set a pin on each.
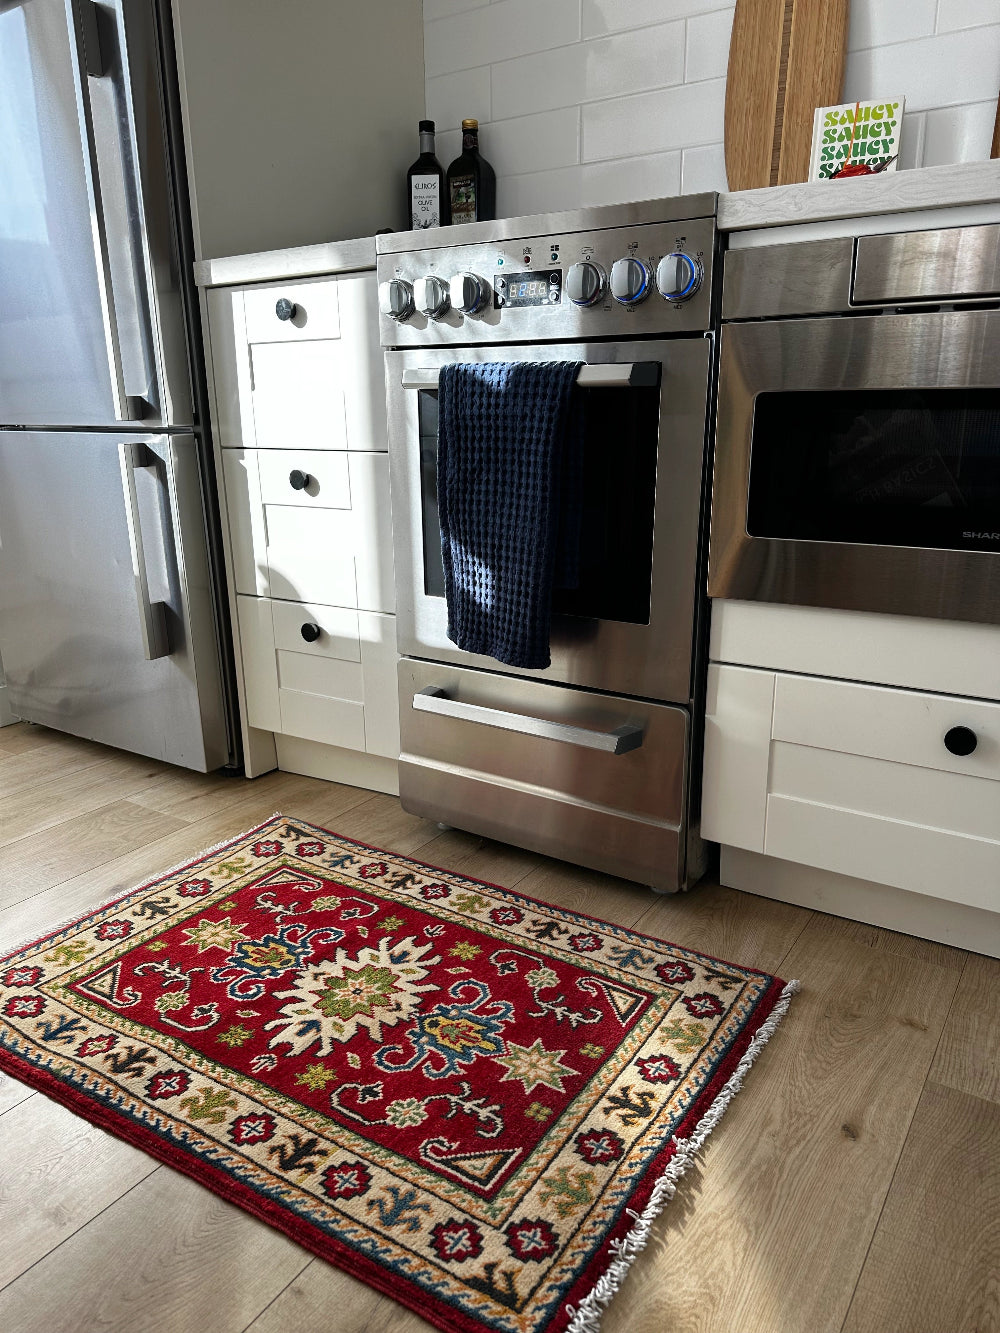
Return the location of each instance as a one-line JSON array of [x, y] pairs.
[[111, 624]]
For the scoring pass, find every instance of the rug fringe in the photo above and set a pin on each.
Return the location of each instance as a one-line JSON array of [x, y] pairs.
[[586, 1318], [9, 951]]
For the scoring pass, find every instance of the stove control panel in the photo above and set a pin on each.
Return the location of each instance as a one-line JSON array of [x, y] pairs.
[[634, 281]]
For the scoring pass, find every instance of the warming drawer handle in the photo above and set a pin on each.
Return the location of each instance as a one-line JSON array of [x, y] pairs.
[[606, 375], [620, 741]]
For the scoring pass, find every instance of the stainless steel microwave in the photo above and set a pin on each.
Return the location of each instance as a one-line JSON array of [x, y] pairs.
[[857, 459]]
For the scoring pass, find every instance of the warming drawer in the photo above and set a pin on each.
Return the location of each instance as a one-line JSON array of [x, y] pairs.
[[591, 778]]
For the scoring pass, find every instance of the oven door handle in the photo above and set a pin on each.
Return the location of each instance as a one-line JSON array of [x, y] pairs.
[[620, 741], [603, 375]]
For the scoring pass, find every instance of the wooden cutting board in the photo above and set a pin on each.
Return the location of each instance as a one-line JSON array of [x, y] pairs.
[[786, 57]]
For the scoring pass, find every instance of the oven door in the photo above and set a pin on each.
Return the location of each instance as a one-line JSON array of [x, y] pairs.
[[629, 627], [858, 464]]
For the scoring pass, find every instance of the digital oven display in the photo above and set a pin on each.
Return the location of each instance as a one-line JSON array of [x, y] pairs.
[[520, 289]]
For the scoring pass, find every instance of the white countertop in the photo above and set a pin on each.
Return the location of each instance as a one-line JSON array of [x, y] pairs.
[[961, 185], [303, 261]]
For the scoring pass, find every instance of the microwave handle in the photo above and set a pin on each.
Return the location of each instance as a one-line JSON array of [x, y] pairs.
[[602, 375], [620, 741]]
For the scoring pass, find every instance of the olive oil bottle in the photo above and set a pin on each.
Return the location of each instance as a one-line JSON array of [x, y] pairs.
[[472, 182], [426, 186]]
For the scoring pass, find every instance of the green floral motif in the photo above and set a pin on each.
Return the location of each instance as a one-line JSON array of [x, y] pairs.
[[235, 1035], [70, 953], [208, 1105], [405, 1112], [315, 1077], [686, 1037], [591, 1050], [390, 923], [533, 1066], [328, 903], [465, 951], [541, 978], [536, 1111], [215, 934], [570, 1193], [171, 999], [468, 902]]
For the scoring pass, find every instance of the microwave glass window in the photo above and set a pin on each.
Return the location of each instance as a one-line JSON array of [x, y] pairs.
[[886, 467], [619, 478]]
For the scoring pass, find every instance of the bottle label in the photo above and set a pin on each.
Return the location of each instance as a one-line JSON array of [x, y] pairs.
[[425, 202], [463, 199]]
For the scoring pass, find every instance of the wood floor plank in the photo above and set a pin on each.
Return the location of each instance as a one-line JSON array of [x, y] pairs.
[[305, 1306], [59, 754], [12, 1093], [39, 861], [968, 1056], [769, 1231], [934, 1264], [75, 793], [893, 941], [72, 1169], [587, 891], [19, 737], [725, 923], [480, 858], [168, 1257]]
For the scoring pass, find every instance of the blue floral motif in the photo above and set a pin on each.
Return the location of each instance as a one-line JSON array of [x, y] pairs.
[[450, 1036], [252, 962]]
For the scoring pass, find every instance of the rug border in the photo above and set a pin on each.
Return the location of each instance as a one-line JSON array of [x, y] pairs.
[[622, 1243]]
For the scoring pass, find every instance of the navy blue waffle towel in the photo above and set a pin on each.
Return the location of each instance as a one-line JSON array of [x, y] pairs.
[[509, 498]]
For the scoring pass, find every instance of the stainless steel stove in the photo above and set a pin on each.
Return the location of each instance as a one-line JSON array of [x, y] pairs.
[[591, 759]]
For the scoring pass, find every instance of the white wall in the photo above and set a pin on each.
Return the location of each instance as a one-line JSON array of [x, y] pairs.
[[300, 118], [599, 101]]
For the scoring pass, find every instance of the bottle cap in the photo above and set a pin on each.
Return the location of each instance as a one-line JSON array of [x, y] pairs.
[[426, 127], [470, 124]]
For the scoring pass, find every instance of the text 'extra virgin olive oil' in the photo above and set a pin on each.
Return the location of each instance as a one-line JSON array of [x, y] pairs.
[[472, 182], [426, 186]]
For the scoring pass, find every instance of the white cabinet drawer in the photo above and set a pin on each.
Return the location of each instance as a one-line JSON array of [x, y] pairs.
[[317, 311], [855, 779], [338, 689], [310, 550], [904, 726], [328, 487]]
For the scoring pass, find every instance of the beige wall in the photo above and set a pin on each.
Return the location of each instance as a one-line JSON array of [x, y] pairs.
[[300, 117]]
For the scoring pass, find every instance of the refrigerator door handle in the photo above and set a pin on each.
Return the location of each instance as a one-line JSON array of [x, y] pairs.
[[152, 615], [108, 136]]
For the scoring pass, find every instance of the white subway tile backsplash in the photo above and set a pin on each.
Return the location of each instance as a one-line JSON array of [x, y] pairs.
[[498, 32], [703, 169], [587, 71], [911, 140], [954, 14], [440, 9], [945, 70], [452, 98], [656, 176], [539, 192], [708, 45], [532, 143], [690, 114], [877, 22], [959, 133], [601, 16]]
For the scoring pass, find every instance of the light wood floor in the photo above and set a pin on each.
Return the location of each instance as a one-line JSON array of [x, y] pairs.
[[853, 1185]]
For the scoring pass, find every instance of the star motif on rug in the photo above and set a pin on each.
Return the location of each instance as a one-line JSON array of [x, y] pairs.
[[215, 934], [534, 1066]]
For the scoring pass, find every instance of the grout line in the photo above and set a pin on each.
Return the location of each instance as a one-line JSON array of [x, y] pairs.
[[83, 1226]]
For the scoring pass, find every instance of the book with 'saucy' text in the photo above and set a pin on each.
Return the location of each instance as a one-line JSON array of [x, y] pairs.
[[856, 139]]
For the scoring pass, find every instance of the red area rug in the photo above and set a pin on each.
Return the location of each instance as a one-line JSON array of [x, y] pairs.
[[473, 1101]]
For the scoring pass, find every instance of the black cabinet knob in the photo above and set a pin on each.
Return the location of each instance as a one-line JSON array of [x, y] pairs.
[[284, 308], [298, 480], [960, 740], [310, 632]]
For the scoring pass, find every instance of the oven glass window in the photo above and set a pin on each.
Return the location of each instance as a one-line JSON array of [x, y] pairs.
[[616, 554], [886, 467]]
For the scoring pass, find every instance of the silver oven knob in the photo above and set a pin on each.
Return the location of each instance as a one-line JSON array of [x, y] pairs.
[[586, 283], [630, 279], [468, 292], [395, 299], [679, 276], [431, 297]]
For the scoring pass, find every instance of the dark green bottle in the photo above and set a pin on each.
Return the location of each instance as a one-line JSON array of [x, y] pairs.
[[472, 182]]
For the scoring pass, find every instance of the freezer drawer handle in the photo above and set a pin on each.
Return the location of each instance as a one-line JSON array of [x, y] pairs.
[[620, 741], [604, 375], [152, 615]]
